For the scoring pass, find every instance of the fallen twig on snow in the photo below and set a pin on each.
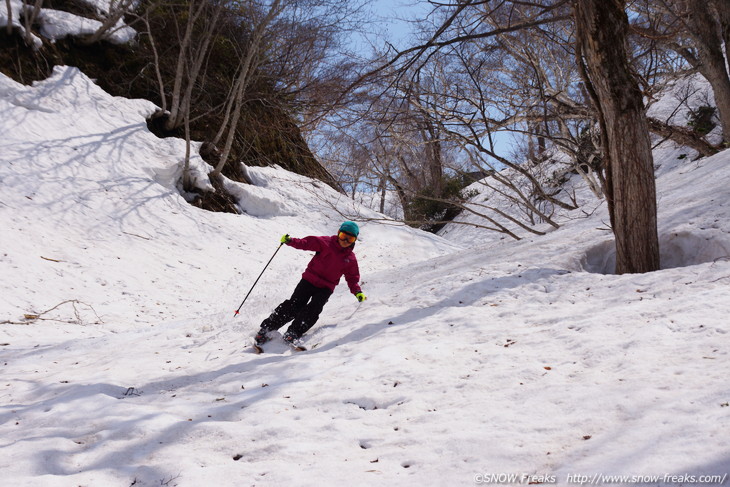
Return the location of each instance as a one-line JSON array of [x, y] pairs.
[[32, 317], [52, 260]]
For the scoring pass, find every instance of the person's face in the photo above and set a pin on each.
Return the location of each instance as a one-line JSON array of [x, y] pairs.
[[346, 239]]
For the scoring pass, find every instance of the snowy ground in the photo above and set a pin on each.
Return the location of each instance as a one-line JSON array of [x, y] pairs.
[[512, 361]]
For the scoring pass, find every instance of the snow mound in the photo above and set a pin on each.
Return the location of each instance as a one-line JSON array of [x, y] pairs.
[[260, 202]]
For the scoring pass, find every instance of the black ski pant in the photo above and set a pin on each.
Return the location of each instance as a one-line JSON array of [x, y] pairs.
[[304, 307]]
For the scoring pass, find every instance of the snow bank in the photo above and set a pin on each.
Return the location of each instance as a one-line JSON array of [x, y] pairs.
[[57, 24]]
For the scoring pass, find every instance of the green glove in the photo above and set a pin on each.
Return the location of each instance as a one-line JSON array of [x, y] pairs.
[[361, 297], [285, 238]]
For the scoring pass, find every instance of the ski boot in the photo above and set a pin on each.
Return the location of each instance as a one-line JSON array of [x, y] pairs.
[[261, 336], [293, 341]]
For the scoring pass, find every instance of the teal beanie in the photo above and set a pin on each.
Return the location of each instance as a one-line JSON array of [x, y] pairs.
[[350, 227]]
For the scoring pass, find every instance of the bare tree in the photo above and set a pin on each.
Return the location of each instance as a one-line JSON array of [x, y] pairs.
[[156, 62], [602, 28], [435, 96], [254, 51], [30, 14], [722, 10], [553, 103], [706, 28], [200, 30], [117, 10], [696, 31], [9, 25], [193, 44]]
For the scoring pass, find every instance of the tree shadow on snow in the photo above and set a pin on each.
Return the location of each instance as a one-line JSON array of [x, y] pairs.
[[468, 295], [127, 427]]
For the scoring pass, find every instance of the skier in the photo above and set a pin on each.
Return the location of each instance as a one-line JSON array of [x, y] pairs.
[[334, 258]]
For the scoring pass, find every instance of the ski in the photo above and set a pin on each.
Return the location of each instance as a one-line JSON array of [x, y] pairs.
[[258, 349]]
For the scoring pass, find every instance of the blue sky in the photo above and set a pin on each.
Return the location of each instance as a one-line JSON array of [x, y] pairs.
[[390, 20]]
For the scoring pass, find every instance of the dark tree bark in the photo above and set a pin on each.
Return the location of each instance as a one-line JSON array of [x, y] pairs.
[[707, 32], [602, 27], [722, 9]]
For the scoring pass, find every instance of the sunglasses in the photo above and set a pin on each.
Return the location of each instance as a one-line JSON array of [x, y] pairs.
[[346, 236]]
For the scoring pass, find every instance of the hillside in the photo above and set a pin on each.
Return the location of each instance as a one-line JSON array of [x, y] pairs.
[[470, 362], [128, 65]]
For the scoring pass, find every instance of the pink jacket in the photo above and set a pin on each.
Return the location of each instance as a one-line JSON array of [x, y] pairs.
[[331, 262]]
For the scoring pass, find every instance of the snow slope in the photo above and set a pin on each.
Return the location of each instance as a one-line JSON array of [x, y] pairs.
[[513, 361]]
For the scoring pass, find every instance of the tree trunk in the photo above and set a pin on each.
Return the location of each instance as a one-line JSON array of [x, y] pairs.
[[247, 67], [176, 117], [722, 8], [602, 27], [30, 14], [9, 25], [434, 176], [117, 10], [682, 136], [705, 29], [382, 189]]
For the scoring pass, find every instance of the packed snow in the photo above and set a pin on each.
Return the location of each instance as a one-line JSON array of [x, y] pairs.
[[474, 360]]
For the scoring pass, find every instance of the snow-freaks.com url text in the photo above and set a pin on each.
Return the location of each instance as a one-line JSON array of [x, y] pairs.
[[599, 479]]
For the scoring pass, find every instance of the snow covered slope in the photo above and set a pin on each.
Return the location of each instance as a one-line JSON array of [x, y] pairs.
[[95, 216], [520, 361]]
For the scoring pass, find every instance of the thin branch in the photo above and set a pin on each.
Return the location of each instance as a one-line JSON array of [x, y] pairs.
[[33, 317]]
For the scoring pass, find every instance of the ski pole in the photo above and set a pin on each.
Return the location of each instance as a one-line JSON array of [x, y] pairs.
[[356, 309], [257, 280]]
